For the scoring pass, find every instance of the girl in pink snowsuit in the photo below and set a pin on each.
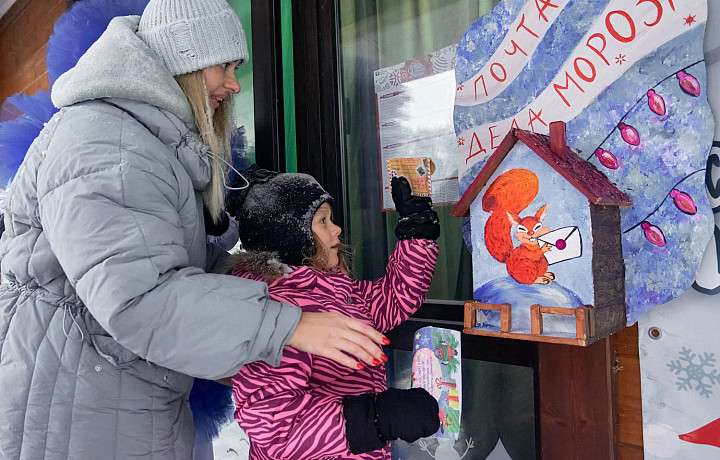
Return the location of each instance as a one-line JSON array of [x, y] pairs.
[[310, 407]]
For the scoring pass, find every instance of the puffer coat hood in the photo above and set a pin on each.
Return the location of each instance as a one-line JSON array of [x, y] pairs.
[[119, 64], [108, 308]]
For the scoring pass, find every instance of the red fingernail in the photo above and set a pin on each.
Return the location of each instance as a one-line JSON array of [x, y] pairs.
[[376, 362], [360, 366], [385, 341], [384, 358]]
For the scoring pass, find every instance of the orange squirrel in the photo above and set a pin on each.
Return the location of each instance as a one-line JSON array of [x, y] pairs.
[[509, 194]]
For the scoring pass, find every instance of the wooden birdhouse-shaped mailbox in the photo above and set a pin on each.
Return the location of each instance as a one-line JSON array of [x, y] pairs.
[[546, 243]]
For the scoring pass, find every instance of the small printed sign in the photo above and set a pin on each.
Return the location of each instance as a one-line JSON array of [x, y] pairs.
[[436, 367]]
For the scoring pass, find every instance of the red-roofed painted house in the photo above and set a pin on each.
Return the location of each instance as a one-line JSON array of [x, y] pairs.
[[546, 239]]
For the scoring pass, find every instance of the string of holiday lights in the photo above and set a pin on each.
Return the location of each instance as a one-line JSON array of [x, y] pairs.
[[630, 135]]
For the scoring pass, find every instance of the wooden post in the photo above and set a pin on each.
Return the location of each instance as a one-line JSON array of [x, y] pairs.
[[558, 138], [471, 308], [575, 401], [536, 322], [505, 317], [581, 328], [470, 317]]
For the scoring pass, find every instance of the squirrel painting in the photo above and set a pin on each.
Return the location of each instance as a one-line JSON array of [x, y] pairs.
[[505, 198]]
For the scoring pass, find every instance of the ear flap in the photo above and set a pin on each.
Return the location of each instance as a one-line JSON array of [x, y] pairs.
[[541, 213], [513, 218]]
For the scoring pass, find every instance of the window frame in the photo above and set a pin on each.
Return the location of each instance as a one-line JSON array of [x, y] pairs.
[[267, 84]]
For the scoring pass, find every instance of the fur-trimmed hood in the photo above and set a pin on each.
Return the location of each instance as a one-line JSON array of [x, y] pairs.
[[258, 265]]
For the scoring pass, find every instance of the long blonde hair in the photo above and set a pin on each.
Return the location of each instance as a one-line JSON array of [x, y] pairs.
[[215, 129]]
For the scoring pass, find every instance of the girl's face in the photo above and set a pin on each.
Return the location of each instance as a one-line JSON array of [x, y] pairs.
[[327, 233], [221, 82]]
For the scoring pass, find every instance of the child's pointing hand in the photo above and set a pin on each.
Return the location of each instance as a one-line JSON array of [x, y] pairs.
[[339, 337]]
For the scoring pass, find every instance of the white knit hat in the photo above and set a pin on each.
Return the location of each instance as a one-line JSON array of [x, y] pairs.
[[189, 35]]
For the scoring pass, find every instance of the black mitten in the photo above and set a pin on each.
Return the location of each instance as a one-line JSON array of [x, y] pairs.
[[373, 419], [406, 414], [417, 217], [213, 228]]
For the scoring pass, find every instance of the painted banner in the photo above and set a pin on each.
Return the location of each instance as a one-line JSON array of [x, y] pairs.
[[629, 80]]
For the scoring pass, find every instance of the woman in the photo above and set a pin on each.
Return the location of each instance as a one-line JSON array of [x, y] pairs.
[[107, 309]]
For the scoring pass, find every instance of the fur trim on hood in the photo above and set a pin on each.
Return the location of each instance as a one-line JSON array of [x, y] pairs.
[[265, 266]]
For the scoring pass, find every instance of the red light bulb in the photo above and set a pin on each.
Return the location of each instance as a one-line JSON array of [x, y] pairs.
[[629, 134], [684, 202], [656, 102], [688, 83], [653, 234], [607, 159]]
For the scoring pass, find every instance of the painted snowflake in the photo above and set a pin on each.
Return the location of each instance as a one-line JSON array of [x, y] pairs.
[[694, 371], [654, 281]]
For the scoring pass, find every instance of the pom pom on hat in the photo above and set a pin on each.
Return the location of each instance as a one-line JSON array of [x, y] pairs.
[[189, 35], [276, 211]]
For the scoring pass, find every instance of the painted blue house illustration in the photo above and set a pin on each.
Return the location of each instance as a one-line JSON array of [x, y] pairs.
[[546, 243]]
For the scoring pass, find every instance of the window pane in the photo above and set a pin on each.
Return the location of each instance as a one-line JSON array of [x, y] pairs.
[[245, 102], [374, 35], [498, 412]]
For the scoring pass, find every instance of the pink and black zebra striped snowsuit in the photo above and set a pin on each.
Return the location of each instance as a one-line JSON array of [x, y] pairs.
[[294, 411]]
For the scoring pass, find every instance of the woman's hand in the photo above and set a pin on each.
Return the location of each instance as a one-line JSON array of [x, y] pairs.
[[339, 337]]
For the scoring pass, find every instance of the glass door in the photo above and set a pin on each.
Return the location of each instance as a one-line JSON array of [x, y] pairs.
[[397, 84], [395, 61]]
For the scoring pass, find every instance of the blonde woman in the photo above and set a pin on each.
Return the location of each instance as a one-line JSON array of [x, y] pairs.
[[108, 309]]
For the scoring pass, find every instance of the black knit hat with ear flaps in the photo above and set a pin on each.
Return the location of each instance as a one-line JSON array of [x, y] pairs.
[[275, 212]]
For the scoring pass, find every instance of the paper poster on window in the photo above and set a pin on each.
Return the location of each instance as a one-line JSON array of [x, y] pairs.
[[437, 368], [415, 101]]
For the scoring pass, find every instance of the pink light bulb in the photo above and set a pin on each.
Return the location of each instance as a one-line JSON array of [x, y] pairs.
[[629, 134], [653, 234], [607, 159], [684, 202], [656, 102], [688, 83]]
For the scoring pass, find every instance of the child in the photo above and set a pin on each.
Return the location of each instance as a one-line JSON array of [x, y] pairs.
[[310, 407]]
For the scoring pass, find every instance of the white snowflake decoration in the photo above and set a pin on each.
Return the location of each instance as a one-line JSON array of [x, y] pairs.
[[700, 372], [470, 47]]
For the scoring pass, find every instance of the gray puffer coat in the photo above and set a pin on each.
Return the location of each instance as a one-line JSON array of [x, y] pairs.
[[106, 308]]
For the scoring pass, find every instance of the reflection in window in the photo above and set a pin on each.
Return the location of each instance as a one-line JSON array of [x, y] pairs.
[[378, 34], [498, 415]]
